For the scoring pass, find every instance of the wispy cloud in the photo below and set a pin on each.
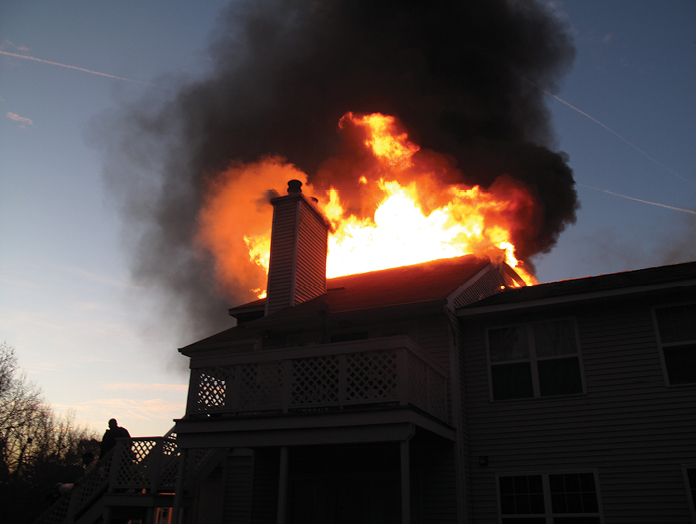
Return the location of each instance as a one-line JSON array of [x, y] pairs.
[[568, 104], [19, 282], [126, 408], [26, 57], [99, 279], [23, 122], [690, 211], [7, 42], [144, 387]]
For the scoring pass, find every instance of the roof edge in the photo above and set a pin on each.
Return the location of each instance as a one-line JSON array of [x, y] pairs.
[[472, 310]]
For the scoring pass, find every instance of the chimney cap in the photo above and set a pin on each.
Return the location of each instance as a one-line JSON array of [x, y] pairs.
[[294, 186]]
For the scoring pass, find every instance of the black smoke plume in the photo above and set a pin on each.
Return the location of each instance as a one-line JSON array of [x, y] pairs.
[[461, 76]]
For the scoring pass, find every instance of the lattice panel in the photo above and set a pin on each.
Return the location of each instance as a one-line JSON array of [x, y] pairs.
[[212, 387], [261, 384], [95, 482], [315, 380], [133, 464], [59, 512], [417, 381], [437, 394], [198, 456], [372, 376]]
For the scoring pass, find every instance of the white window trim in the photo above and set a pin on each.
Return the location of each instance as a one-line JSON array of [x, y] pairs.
[[533, 359], [547, 491], [660, 345]]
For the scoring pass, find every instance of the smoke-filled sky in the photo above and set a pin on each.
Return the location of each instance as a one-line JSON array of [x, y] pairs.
[[104, 164]]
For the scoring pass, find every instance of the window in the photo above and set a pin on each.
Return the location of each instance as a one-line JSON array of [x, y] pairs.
[[554, 498], [534, 360], [676, 328]]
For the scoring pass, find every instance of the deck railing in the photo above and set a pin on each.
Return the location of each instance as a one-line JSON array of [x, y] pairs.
[[390, 370], [145, 463], [139, 465]]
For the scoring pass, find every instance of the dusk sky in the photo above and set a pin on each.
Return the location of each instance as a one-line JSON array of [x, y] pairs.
[[625, 115]]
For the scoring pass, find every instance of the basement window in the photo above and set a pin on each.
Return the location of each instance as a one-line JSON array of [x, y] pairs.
[[676, 330], [568, 498], [534, 360]]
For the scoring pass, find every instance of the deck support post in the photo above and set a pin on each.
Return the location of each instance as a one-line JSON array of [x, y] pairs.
[[283, 486], [180, 483], [405, 482]]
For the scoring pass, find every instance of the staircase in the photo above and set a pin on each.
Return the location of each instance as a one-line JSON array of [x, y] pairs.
[[135, 481]]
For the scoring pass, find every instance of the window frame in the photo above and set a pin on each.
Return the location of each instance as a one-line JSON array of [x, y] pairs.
[[548, 507], [661, 345], [534, 359]]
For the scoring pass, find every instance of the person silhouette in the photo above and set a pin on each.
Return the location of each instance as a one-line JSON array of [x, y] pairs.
[[110, 435]]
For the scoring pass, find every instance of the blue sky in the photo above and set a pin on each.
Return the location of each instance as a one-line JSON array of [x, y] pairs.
[[66, 300]]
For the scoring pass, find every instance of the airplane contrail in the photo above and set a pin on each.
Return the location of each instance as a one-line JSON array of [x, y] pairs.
[[610, 130], [76, 68], [639, 200]]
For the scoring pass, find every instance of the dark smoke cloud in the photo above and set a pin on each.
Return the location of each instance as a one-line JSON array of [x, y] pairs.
[[458, 75]]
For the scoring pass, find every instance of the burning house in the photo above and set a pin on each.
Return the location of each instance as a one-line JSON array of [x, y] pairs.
[[392, 358], [445, 391]]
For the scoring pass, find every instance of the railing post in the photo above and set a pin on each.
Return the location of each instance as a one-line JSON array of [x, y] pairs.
[[286, 386], [180, 483], [402, 375], [116, 465], [233, 388], [155, 464], [193, 391], [342, 379], [72, 506]]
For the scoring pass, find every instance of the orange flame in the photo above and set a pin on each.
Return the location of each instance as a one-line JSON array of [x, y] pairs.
[[409, 215]]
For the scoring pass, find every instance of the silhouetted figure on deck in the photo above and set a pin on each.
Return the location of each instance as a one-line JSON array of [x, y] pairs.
[[110, 435]]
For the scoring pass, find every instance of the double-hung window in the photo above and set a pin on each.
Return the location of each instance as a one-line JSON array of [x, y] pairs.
[[676, 329], [553, 498], [534, 360]]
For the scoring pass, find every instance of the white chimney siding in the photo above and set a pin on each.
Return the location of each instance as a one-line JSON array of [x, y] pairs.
[[299, 245]]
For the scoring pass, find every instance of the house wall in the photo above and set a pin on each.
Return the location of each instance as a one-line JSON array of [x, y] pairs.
[[628, 426]]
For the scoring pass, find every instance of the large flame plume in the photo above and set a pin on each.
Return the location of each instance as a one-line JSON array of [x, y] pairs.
[[399, 212], [460, 77]]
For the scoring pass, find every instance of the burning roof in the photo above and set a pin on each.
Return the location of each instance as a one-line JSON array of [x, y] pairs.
[[364, 297]]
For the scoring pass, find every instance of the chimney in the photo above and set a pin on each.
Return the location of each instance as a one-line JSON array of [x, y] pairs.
[[299, 244]]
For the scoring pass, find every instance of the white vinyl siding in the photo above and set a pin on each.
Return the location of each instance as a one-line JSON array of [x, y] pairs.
[[676, 335], [620, 426]]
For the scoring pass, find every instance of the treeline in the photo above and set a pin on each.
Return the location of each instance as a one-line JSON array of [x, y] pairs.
[[38, 448]]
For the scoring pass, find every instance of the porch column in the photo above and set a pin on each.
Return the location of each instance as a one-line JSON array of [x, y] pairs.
[[180, 483], [283, 486], [405, 483]]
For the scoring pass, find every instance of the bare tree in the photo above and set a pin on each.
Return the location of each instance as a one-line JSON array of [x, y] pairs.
[[22, 412], [37, 447]]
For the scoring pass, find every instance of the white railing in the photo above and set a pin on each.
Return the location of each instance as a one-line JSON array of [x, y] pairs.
[[391, 370], [136, 464], [145, 463]]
